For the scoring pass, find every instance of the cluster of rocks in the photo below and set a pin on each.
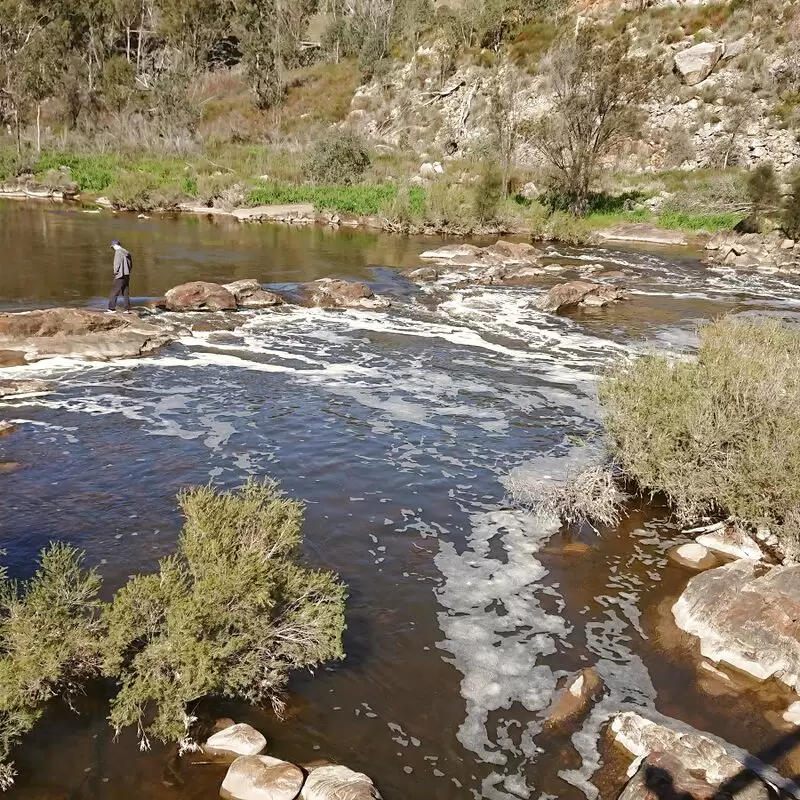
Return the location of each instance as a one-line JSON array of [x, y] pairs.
[[254, 776], [771, 252], [59, 187]]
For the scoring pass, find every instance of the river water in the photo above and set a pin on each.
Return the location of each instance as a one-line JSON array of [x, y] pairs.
[[400, 431]]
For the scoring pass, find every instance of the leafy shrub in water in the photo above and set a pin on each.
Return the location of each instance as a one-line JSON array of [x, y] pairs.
[[229, 614], [719, 434], [338, 158], [49, 642]]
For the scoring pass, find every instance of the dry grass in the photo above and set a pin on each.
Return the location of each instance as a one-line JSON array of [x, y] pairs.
[[719, 434]]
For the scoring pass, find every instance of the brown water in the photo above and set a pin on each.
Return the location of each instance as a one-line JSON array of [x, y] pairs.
[[400, 431]]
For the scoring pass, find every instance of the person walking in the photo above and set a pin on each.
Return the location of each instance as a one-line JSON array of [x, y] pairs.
[[123, 265]]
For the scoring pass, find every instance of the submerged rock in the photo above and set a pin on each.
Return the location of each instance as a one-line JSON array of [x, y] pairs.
[[579, 293], [512, 275], [262, 778], [422, 274], [249, 293], [79, 333], [338, 783], [745, 615], [242, 739], [455, 254], [576, 699], [335, 293], [708, 759], [694, 556], [6, 428]]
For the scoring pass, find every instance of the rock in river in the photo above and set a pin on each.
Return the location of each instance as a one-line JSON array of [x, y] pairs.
[[14, 387], [242, 739], [79, 333], [335, 293], [576, 699], [249, 293], [579, 293], [200, 296], [6, 427], [696, 760], [745, 615], [338, 783], [262, 778]]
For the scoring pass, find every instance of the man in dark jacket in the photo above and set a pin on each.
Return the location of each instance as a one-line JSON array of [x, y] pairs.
[[123, 265]]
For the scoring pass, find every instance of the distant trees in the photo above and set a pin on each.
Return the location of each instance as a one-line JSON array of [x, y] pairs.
[[598, 85]]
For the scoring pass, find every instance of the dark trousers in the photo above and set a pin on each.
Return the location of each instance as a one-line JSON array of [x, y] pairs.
[[121, 287]]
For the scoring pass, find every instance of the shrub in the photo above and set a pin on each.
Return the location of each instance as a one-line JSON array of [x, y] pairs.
[[719, 434], [338, 158], [762, 188], [569, 229], [790, 218], [229, 614], [220, 190], [488, 193], [139, 191], [49, 642]]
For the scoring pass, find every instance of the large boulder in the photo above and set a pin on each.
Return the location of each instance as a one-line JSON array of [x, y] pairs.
[[200, 296], [579, 293], [769, 252], [249, 293], [79, 333], [513, 252], [242, 739], [335, 293], [696, 63], [710, 760], [262, 778], [745, 615], [338, 783]]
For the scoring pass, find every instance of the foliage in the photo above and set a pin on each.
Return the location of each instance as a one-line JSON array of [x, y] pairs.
[[338, 158], [590, 496], [49, 642], [362, 199], [790, 216], [597, 85], [139, 191], [488, 193], [229, 614], [681, 220], [719, 434], [762, 187]]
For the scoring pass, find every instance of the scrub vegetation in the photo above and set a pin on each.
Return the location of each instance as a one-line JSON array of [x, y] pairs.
[[231, 613]]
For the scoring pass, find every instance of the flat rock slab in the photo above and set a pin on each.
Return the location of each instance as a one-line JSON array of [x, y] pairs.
[[258, 213], [338, 783], [694, 556], [731, 541], [242, 739], [16, 387], [262, 778], [698, 754], [79, 333], [745, 615], [643, 233]]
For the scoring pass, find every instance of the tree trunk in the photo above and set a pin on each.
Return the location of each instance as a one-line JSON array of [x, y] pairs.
[[19, 132], [38, 127], [128, 43]]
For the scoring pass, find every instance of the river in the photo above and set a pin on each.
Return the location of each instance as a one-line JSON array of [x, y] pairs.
[[399, 430]]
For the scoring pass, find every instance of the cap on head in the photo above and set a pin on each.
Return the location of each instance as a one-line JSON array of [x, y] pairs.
[[115, 243]]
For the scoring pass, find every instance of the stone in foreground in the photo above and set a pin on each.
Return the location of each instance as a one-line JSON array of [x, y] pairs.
[[79, 333], [578, 293], [242, 739], [745, 615], [696, 63], [338, 783], [694, 556], [249, 293], [200, 296], [262, 778], [576, 699], [732, 541], [336, 293], [710, 760]]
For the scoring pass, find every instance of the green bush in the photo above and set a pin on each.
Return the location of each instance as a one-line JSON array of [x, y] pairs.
[[569, 229], [141, 191], [231, 613], [790, 217], [49, 642], [338, 158], [228, 615], [762, 188], [488, 194], [719, 434]]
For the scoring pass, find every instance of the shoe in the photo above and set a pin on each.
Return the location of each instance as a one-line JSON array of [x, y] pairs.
[[111, 311]]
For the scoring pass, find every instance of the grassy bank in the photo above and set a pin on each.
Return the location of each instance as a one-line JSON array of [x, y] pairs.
[[718, 435], [241, 176]]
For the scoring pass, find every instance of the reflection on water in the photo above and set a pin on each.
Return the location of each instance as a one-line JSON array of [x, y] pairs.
[[398, 430]]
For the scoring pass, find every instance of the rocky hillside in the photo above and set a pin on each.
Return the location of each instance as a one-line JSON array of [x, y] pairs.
[[728, 92]]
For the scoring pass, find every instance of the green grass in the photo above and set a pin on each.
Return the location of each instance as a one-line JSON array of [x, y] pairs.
[[685, 221]]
